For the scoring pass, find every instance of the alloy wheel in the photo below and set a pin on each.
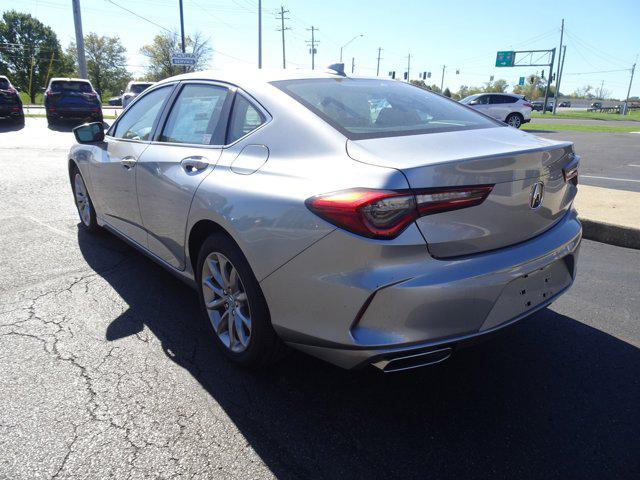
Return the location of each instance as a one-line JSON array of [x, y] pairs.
[[82, 199], [226, 302], [514, 121]]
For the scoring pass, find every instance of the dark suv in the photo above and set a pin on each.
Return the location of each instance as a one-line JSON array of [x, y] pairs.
[[10, 103], [72, 98]]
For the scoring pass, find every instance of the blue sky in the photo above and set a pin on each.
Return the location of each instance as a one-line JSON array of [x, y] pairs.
[[601, 37]]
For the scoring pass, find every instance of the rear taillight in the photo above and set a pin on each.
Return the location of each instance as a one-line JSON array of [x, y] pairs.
[[384, 214], [570, 170], [527, 104]]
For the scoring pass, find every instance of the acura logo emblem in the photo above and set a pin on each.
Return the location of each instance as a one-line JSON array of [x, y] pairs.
[[536, 196]]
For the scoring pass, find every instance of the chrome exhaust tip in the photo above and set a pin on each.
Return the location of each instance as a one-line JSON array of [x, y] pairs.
[[417, 360]]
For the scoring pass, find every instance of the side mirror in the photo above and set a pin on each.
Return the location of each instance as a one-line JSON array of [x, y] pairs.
[[474, 102], [89, 132]]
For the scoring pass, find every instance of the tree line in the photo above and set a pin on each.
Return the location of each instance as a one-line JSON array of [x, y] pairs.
[[31, 54]]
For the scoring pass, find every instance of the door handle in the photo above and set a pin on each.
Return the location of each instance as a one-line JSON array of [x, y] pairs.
[[194, 164], [128, 162]]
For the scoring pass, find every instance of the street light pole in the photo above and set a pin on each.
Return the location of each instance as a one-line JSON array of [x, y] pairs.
[[357, 36]]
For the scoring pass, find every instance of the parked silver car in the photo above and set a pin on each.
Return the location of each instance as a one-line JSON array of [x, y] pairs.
[[363, 221]]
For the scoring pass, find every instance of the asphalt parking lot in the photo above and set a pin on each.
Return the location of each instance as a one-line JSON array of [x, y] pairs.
[[609, 160], [107, 370]]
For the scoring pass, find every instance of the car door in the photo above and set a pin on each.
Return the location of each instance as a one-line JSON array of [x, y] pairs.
[[185, 150], [498, 108], [482, 104], [114, 174]]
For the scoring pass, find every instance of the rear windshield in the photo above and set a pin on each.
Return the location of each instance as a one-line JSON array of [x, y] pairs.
[[82, 87], [139, 88], [369, 108], [4, 84]]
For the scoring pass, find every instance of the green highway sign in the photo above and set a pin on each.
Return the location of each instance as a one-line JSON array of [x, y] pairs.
[[505, 59], [521, 81]]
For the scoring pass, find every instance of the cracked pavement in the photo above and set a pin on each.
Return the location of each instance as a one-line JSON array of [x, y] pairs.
[[107, 371]]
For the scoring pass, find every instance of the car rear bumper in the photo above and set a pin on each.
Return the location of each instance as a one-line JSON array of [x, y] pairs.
[[415, 309], [74, 113], [526, 120]]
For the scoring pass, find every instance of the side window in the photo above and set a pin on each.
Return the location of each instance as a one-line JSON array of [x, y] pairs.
[[137, 122], [244, 119], [483, 100], [195, 115]]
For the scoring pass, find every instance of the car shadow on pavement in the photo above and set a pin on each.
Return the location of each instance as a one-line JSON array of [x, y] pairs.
[[64, 125], [548, 398]]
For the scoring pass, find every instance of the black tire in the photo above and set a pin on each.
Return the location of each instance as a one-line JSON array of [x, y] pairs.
[[90, 222], [514, 120], [264, 346], [51, 121]]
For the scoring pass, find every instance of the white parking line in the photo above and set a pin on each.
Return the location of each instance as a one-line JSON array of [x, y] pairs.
[[609, 178], [632, 165]]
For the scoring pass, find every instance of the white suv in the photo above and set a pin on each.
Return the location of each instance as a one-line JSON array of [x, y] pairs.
[[507, 107]]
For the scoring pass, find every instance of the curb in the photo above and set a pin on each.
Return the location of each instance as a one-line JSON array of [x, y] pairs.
[[609, 233]]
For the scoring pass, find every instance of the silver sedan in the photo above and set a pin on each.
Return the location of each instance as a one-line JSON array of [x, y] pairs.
[[360, 220]]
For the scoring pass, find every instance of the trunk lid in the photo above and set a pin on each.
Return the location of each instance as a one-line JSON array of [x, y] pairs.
[[511, 160]]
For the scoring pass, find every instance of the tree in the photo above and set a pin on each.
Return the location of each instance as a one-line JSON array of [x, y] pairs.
[[106, 63], [499, 86], [32, 54], [533, 88], [447, 92], [583, 92], [164, 45], [602, 92], [465, 91]]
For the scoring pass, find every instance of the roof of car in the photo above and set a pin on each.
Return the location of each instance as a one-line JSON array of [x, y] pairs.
[[248, 76], [3, 77]]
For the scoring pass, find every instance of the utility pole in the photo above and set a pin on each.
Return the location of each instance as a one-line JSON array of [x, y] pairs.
[[408, 68], [560, 57], [353, 64], [77, 20], [378, 66], [259, 33], [546, 90], [313, 46], [626, 108], [282, 18], [444, 67], [560, 72], [183, 46]]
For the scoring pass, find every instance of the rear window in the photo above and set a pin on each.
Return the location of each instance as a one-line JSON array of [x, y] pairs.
[[82, 87], [4, 84], [363, 108]]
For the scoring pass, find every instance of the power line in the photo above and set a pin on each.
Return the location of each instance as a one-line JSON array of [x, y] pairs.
[[140, 16]]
